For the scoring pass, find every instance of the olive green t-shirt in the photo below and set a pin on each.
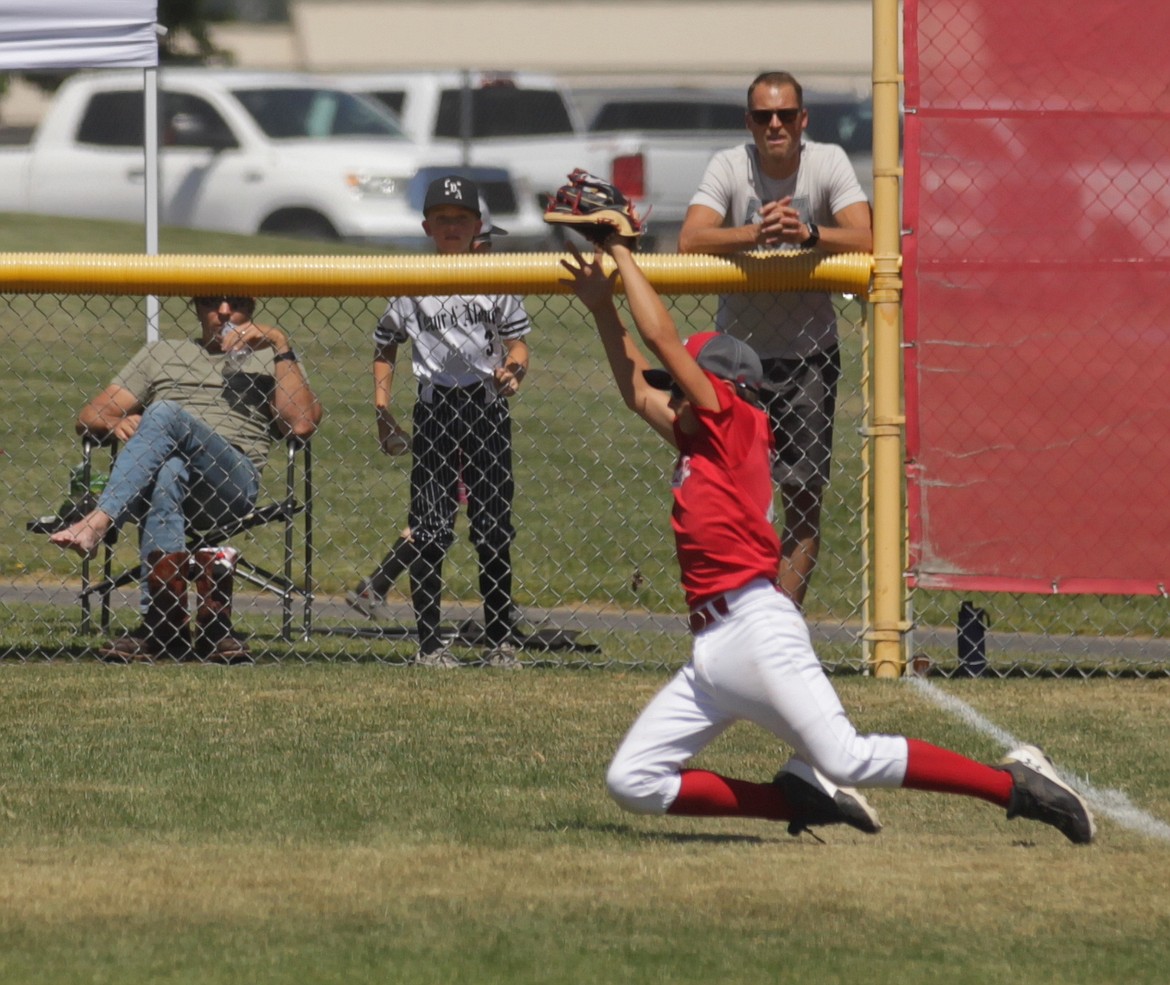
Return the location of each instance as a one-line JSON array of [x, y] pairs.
[[234, 400]]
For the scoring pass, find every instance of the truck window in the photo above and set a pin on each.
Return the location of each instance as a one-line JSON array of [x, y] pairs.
[[849, 124], [392, 99], [289, 114], [504, 111], [191, 121], [669, 114], [113, 119]]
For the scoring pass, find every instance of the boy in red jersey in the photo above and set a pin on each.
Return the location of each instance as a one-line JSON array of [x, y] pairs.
[[752, 658]]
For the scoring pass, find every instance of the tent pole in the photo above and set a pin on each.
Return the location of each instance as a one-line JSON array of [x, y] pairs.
[[150, 103]]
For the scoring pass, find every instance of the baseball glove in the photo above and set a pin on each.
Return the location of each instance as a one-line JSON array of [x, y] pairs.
[[594, 208]]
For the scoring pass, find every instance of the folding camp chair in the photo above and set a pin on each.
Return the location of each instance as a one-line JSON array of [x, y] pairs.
[[285, 511]]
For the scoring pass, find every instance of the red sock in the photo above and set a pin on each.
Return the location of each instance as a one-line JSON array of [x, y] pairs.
[[931, 768], [704, 794]]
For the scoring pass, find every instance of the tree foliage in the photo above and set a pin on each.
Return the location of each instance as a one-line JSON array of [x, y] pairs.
[[186, 19]]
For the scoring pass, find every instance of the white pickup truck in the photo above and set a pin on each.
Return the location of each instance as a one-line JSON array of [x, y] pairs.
[[244, 152], [678, 119], [530, 125]]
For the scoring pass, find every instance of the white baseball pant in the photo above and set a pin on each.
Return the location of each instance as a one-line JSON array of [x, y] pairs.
[[756, 664]]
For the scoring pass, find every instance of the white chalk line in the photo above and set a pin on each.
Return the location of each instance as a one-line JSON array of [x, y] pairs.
[[1110, 803]]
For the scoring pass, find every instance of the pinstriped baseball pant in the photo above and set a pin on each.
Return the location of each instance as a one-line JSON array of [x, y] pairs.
[[462, 432]]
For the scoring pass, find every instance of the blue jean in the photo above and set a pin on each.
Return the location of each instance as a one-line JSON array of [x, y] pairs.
[[176, 470]]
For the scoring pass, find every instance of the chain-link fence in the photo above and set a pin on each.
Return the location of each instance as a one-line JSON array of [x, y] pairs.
[[1036, 247], [595, 577]]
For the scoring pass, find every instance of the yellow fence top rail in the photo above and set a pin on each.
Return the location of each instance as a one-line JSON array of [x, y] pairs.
[[361, 276]]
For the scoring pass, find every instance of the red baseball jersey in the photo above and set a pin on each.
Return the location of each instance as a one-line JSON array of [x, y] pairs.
[[723, 509]]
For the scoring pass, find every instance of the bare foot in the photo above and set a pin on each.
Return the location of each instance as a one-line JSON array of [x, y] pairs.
[[86, 534]]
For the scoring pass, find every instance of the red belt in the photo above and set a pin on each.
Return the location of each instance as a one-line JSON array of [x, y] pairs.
[[708, 613]]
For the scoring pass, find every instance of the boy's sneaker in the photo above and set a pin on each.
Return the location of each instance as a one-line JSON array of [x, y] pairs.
[[502, 655], [815, 800], [362, 600], [441, 658], [1040, 795]]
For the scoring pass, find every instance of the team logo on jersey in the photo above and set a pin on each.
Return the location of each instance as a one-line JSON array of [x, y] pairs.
[[681, 472]]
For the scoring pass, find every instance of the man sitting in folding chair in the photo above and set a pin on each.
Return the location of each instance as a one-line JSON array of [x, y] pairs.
[[197, 419]]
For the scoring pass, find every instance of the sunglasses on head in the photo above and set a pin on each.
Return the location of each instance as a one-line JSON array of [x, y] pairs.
[[232, 301], [762, 117]]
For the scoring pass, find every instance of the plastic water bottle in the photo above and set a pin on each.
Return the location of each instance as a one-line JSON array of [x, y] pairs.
[[77, 486], [235, 357], [82, 498]]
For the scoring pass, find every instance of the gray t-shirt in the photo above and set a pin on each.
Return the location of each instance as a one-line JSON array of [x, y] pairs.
[[235, 401], [792, 324]]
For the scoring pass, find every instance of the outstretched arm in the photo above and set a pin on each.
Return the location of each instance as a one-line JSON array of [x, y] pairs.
[[657, 328], [595, 289]]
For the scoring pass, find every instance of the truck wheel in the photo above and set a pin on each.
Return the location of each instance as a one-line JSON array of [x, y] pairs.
[[299, 223]]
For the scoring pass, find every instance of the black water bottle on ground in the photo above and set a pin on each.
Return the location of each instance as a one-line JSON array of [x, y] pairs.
[[972, 641]]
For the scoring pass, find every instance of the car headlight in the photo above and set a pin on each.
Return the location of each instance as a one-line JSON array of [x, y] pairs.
[[377, 185]]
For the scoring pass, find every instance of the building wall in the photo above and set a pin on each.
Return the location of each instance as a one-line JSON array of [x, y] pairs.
[[594, 40], [590, 44]]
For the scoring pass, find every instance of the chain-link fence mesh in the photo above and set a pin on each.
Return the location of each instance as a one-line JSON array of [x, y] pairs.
[[1036, 249], [596, 580]]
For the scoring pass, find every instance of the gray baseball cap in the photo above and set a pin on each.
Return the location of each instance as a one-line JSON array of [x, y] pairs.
[[720, 355]]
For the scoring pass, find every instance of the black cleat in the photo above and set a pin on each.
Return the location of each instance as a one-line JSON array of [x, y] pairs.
[[1040, 795], [816, 801]]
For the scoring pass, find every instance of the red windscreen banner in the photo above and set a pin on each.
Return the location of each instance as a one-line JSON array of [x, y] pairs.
[[1037, 295]]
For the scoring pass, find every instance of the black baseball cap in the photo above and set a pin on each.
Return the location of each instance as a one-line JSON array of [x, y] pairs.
[[452, 190], [720, 355]]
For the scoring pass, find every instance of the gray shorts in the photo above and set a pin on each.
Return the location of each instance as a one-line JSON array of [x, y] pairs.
[[800, 396]]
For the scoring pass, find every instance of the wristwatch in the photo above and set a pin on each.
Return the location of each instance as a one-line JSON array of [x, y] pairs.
[[285, 357], [814, 237]]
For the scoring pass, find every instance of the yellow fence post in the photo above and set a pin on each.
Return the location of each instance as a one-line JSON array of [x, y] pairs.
[[887, 631]]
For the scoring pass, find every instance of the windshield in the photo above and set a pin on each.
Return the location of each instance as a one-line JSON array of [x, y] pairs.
[[669, 114], [849, 124], [503, 111], [289, 114]]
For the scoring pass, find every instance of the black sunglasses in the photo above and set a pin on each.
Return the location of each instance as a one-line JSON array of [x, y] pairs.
[[762, 117], [232, 301]]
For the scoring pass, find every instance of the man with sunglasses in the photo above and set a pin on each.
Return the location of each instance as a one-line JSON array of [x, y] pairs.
[[195, 417], [783, 191]]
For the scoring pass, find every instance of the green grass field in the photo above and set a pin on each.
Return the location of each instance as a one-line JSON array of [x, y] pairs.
[[321, 824], [328, 817]]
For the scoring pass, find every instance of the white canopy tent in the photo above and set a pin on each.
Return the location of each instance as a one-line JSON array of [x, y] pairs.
[[36, 35], [46, 34]]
